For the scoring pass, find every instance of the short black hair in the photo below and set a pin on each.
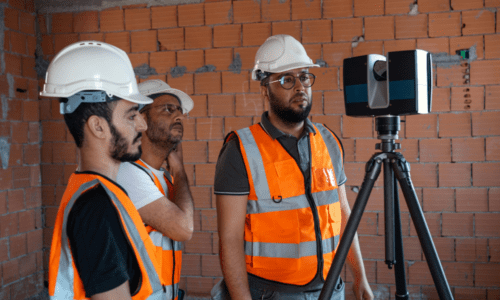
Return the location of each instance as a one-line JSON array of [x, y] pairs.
[[77, 119]]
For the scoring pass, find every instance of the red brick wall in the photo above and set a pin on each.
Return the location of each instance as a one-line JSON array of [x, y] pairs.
[[454, 151], [21, 255]]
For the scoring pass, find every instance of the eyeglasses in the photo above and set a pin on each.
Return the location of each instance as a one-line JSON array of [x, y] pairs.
[[288, 81], [170, 108]]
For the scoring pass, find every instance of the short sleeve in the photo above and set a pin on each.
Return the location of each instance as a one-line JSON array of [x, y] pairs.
[[102, 254], [230, 172], [138, 184], [341, 178]]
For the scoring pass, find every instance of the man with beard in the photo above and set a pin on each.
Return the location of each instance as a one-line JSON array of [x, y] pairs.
[[100, 247], [280, 192], [162, 197]]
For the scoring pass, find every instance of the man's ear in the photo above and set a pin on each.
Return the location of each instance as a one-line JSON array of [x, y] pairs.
[[264, 92], [97, 127]]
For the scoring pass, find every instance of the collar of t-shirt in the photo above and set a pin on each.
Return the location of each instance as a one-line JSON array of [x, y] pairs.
[[276, 133], [159, 175]]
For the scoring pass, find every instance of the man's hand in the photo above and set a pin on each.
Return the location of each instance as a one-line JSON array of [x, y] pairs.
[[362, 290], [175, 160]]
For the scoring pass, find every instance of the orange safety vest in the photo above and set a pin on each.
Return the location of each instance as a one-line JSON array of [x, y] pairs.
[[165, 247], [291, 229], [64, 280]]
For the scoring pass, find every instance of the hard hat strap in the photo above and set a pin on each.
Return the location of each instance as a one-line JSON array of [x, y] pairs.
[[82, 97]]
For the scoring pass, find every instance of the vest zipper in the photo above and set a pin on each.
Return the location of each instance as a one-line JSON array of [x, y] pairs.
[[173, 270], [314, 210]]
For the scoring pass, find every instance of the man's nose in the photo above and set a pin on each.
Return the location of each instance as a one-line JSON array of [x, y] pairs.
[[141, 124], [298, 85]]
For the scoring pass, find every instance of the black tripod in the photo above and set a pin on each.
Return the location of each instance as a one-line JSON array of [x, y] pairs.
[[394, 164]]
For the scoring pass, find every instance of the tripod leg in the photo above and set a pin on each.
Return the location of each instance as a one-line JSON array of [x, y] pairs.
[[373, 167], [402, 171], [389, 213], [399, 268]]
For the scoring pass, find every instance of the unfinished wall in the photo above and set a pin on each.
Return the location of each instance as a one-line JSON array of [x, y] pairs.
[[207, 50], [21, 233]]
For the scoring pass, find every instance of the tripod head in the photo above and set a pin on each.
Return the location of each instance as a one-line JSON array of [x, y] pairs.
[[387, 128]]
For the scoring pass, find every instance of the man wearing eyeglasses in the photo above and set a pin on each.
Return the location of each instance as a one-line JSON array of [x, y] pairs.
[[162, 196], [280, 193]]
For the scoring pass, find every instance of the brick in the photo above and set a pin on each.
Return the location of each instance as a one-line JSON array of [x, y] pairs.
[[87, 21], [47, 45], [435, 45], [52, 174], [441, 99], [191, 15], [306, 10], [409, 148], [163, 16], [246, 11], [425, 6], [357, 127], [368, 8], [276, 10], [435, 150], [411, 26], [53, 131], [162, 62], [195, 151], [438, 200], [365, 48], [220, 58], [457, 224], [485, 72], [210, 265], [200, 106], [466, 42], [28, 23], [469, 293], [183, 83], [17, 245], [485, 123], [205, 172], [334, 103], [444, 24], [493, 148], [29, 67], [292, 28], [92, 37], [191, 265], [491, 3], [200, 285], [214, 148], [227, 36], [143, 41], [453, 75], [472, 200], [459, 274], [347, 29], [494, 245], [372, 247], [424, 175], [249, 105], [11, 20], [445, 247], [62, 23], [207, 83], [21, 177], [451, 125], [468, 149], [63, 40], [10, 271], [334, 54], [218, 13], [465, 4], [235, 83], [18, 42], [198, 37], [209, 129], [233, 124], [8, 225], [421, 126], [492, 46], [16, 200], [171, 39], [247, 56], [191, 59], [337, 9], [467, 98], [487, 275], [399, 45], [471, 250], [111, 20], [478, 22], [493, 293], [137, 19], [256, 34], [32, 154], [484, 174], [317, 31], [326, 79], [42, 24], [454, 175], [209, 220], [397, 6], [19, 132], [365, 149]]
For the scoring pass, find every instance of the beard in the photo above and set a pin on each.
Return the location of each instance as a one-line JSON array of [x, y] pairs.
[[119, 146], [287, 114], [161, 135]]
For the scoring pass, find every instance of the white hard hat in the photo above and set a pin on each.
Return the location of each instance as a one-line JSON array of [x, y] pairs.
[[156, 86], [95, 66], [280, 53]]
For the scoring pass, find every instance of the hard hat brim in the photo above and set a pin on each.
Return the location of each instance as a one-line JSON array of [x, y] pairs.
[[156, 86]]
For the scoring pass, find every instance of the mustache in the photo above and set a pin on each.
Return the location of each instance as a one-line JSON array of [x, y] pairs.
[[177, 123], [137, 138], [299, 95]]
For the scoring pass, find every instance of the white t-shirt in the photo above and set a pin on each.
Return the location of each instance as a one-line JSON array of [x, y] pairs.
[[139, 186]]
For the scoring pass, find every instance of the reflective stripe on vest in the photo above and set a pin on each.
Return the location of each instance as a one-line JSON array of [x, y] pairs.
[[164, 243], [280, 235], [64, 281]]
